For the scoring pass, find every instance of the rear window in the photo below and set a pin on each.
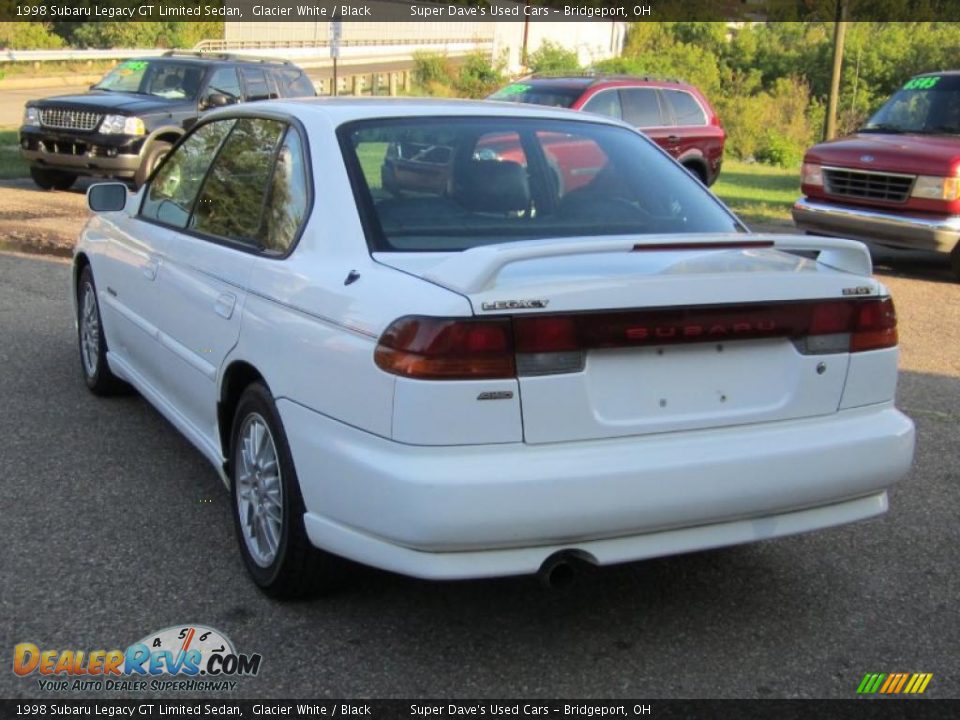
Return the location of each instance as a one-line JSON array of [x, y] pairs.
[[445, 184], [538, 94], [927, 104]]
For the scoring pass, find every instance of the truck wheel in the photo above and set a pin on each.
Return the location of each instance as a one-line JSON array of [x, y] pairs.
[[52, 179], [151, 159]]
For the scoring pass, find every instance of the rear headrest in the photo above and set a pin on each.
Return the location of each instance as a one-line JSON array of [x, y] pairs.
[[498, 186]]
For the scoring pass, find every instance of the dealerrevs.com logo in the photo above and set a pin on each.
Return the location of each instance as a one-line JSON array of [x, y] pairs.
[[179, 658]]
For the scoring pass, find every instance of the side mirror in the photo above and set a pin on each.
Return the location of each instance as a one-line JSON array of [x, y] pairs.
[[107, 197], [215, 100]]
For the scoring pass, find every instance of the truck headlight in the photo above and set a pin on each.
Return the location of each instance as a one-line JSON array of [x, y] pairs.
[[122, 125], [932, 187], [811, 174], [31, 116]]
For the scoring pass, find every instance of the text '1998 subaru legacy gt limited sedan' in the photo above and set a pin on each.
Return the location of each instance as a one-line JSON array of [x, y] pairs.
[[454, 340]]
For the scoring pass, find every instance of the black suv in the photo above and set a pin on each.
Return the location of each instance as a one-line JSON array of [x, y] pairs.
[[129, 120]]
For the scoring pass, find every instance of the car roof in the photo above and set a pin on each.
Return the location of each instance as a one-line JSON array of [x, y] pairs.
[[341, 110], [206, 59], [591, 79]]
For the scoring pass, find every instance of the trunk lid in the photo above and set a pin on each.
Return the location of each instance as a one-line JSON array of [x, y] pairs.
[[713, 288]]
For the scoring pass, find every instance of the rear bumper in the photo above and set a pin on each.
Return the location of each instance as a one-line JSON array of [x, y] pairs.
[[938, 233], [475, 511]]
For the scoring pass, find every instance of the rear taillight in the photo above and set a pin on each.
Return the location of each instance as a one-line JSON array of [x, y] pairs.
[[444, 349], [451, 349], [875, 325]]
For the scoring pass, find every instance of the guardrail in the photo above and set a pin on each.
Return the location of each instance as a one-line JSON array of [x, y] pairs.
[[304, 50]]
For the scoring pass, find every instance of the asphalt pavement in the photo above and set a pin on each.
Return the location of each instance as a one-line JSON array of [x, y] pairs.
[[112, 526]]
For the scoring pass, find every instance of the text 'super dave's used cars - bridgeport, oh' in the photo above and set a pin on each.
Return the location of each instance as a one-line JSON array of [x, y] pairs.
[[542, 339]]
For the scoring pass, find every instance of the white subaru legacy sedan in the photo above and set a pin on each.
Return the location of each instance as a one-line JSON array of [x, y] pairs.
[[457, 339]]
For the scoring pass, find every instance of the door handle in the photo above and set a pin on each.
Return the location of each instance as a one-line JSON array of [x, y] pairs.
[[151, 267], [225, 304]]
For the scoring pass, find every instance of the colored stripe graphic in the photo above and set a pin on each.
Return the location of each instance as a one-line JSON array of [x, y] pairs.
[[894, 683]]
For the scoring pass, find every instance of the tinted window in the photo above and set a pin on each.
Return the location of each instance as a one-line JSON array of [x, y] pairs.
[[171, 195], [226, 82], [605, 103], [231, 202], [493, 180], [294, 83], [686, 110], [641, 108], [287, 203], [260, 86]]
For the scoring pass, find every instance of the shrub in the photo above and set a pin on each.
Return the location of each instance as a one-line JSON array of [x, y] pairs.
[[431, 67], [28, 36], [552, 57], [478, 76]]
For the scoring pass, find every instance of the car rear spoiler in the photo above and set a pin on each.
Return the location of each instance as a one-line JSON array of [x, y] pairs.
[[473, 270]]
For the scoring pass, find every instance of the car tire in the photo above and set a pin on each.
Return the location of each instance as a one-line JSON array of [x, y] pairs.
[[268, 507], [92, 341], [955, 261], [52, 179], [152, 158]]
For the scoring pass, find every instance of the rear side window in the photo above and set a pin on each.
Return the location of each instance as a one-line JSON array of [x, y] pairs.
[[232, 200], [260, 84], [294, 83], [174, 188], [641, 107], [287, 201], [686, 110], [605, 103]]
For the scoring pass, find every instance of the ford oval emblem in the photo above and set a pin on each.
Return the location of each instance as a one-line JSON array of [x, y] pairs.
[[866, 158]]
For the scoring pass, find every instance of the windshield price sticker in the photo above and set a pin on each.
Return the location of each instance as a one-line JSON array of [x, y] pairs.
[[922, 83]]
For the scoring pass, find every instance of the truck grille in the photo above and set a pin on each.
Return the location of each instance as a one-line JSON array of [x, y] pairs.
[[64, 119], [867, 185]]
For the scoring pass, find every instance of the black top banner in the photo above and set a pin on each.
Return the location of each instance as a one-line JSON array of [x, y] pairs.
[[477, 10]]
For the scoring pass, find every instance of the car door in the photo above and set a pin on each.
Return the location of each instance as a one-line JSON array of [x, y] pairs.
[[135, 249], [690, 123], [208, 264], [643, 109]]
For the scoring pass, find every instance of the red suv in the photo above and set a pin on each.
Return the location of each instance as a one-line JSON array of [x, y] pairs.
[[896, 182], [673, 114]]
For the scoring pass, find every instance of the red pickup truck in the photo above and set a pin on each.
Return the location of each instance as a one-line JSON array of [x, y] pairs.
[[896, 182]]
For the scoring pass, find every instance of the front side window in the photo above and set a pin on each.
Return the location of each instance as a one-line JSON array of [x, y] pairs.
[[605, 103], [225, 82], [232, 200], [171, 195], [452, 183]]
